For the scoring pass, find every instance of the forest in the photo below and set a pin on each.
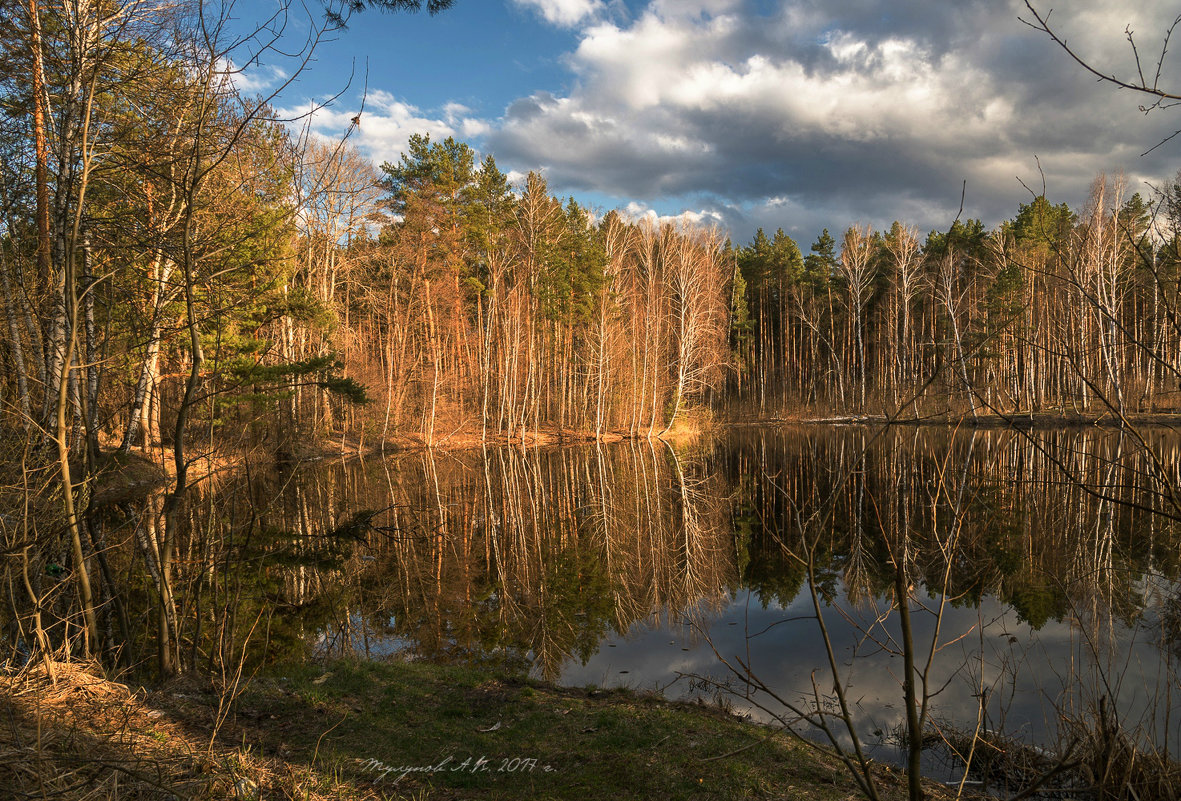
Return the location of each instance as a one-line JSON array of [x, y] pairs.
[[204, 300], [178, 259], [1055, 309], [191, 281]]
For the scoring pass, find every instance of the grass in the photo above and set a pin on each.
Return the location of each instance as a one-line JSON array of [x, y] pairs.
[[365, 730], [499, 736]]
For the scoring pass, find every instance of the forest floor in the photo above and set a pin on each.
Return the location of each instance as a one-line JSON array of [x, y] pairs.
[[464, 440], [364, 730]]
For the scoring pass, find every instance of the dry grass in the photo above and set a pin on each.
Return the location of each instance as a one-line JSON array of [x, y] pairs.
[[313, 734], [83, 737], [1096, 759], [1118, 765]]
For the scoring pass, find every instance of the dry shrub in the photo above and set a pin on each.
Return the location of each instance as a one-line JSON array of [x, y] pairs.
[[1119, 766], [1098, 758]]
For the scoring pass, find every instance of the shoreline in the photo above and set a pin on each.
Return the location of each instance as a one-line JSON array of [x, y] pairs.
[[1023, 420], [356, 731], [138, 472]]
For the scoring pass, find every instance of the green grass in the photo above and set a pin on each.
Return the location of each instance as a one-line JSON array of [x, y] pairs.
[[493, 735]]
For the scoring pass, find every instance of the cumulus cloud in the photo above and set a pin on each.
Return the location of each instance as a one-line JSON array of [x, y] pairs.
[[252, 80], [636, 211], [383, 130], [564, 13], [861, 110]]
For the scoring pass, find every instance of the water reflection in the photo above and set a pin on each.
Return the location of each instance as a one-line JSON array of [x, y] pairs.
[[1052, 555], [531, 555]]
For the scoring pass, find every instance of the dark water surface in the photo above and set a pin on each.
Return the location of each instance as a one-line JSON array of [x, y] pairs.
[[1048, 561]]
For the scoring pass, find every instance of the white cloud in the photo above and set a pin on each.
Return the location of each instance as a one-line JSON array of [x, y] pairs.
[[471, 127], [695, 8], [803, 114], [384, 126], [861, 110], [453, 111], [564, 13], [252, 80], [635, 211]]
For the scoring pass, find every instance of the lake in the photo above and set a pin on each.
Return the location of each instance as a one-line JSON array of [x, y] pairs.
[[1043, 565]]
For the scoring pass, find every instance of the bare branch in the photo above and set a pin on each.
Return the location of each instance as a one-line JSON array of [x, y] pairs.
[[1041, 22]]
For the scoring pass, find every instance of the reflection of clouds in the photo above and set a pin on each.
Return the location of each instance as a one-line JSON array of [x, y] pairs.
[[1031, 677], [620, 540]]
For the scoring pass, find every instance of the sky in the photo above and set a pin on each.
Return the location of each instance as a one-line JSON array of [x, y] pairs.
[[793, 114]]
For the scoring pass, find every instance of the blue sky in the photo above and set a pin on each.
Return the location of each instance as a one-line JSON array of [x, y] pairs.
[[798, 114], [483, 54]]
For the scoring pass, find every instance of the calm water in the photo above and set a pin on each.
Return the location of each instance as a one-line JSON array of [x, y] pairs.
[[1052, 555]]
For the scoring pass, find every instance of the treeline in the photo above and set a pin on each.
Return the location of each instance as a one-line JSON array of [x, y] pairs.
[[1052, 310], [185, 275], [175, 259], [500, 312]]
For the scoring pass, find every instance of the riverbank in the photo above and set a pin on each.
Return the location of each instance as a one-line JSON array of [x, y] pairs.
[[692, 426], [362, 730], [134, 475], [683, 431], [1038, 420]]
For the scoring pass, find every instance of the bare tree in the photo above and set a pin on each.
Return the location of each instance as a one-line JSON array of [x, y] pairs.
[[857, 268], [1145, 83], [907, 255]]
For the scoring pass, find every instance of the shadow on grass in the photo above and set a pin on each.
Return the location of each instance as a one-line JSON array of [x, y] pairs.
[[365, 730]]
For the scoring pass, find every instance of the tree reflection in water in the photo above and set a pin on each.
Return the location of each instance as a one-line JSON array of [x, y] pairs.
[[1054, 555]]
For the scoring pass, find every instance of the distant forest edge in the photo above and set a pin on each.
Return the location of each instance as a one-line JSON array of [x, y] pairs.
[[1055, 310], [178, 263], [432, 299]]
